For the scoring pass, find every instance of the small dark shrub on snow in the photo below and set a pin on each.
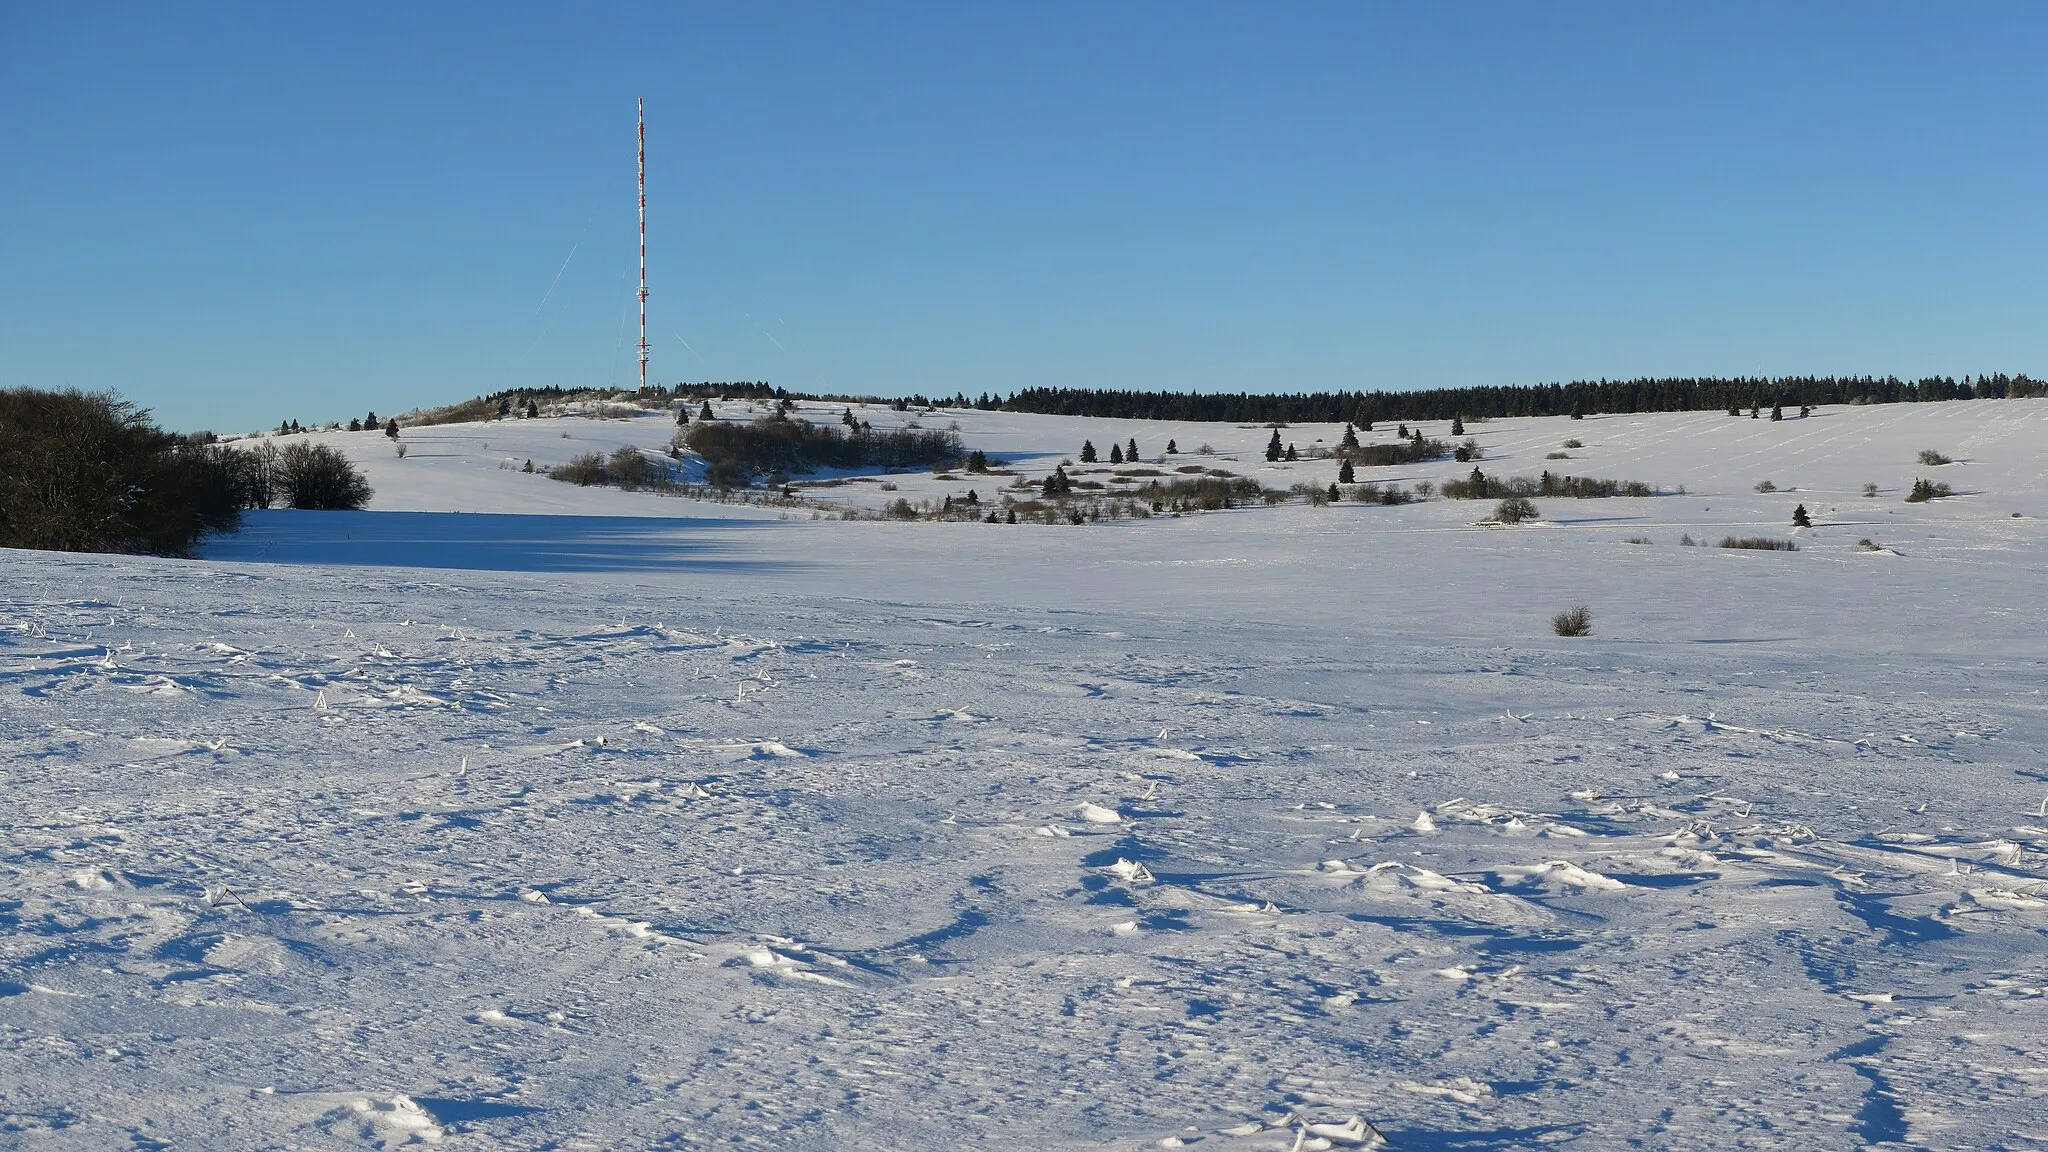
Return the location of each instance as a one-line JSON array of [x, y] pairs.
[[1924, 491], [1759, 543], [1514, 510], [1576, 622]]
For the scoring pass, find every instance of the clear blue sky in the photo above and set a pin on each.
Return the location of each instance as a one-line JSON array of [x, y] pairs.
[[240, 213]]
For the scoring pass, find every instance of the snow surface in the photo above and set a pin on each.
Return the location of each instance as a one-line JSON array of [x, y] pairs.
[[513, 814]]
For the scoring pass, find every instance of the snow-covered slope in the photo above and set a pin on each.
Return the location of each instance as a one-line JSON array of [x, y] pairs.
[[514, 814]]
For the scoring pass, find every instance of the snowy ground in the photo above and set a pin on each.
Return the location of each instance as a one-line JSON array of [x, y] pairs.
[[515, 814]]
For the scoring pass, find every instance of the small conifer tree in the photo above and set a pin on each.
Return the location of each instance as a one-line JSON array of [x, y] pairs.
[[1291, 453], [1087, 451], [1131, 450], [1777, 411], [1800, 519], [1334, 494], [532, 409], [1457, 426], [682, 417], [1345, 474], [391, 428], [1274, 447], [1013, 516], [1350, 437], [1172, 448], [1116, 454], [355, 425], [704, 413]]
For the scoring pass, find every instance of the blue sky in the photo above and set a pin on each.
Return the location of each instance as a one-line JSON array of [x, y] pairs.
[[237, 214]]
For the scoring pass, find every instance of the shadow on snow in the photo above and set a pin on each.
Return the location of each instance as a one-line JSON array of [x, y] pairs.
[[491, 542]]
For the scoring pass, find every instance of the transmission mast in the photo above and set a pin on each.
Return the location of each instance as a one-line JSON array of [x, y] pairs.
[[642, 103]]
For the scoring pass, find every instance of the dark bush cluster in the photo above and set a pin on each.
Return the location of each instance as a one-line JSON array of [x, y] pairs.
[[1401, 452], [737, 453], [1479, 486], [1760, 543], [1923, 491], [627, 468], [1204, 493], [89, 472]]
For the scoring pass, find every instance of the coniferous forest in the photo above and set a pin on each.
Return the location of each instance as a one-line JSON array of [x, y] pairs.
[[1581, 397]]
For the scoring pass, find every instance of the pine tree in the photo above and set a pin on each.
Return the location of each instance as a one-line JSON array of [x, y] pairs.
[[371, 421], [704, 413], [1087, 451], [1172, 449], [1334, 494], [1116, 454], [532, 409], [1131, 450], [977, 461], [1274, 447], [1291, 453], [1013, 516], [1777, 411], [1402, 432], [1350, 437], [1457, 426], [1345, 475], [682, 417], [391, 428], [355, 425], [1800, 519]]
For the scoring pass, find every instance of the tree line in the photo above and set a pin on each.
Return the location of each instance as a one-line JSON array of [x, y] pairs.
[[1578, 398], [90, 472]]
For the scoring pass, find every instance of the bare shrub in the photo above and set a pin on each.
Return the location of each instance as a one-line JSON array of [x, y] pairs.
[[1759, 543], [585, 470], [1575, 622], [1766, 486], [1933, 459]]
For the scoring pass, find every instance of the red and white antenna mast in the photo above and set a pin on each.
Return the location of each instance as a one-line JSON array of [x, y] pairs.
[[643, 243]]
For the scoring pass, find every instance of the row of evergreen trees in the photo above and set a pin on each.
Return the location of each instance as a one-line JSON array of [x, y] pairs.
[[1581, 397]]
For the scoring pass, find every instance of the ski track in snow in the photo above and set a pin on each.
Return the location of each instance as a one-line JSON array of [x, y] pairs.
[[344, 859]]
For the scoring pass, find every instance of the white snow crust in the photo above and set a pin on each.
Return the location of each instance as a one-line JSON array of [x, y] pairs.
[[510, 814]]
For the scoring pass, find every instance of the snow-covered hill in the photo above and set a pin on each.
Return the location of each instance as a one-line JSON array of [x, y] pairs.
[[517, 814]]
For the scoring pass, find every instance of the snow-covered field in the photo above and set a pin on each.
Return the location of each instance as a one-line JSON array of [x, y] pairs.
[[514, 814]]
